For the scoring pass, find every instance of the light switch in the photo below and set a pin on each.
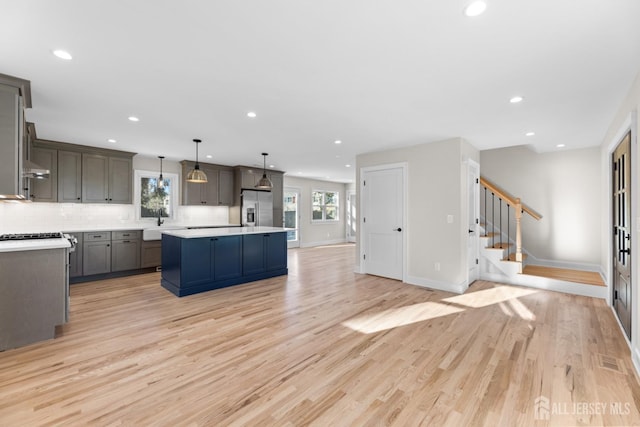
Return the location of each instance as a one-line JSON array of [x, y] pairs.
[[449, 219]]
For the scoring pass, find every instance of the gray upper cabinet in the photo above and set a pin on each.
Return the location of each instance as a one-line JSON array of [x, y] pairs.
[[95, 178], [217, 191], [106, 179], [69, 176], [277, 190], [120, 179], [45, 190], [82, 174], [225, 187]]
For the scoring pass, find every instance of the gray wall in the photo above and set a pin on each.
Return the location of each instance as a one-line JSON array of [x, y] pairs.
[[564, 187], [436, 189], [314, 233]]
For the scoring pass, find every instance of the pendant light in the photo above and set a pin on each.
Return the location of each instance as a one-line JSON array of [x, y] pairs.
[[160, 178], [264, 183], [196, 175]]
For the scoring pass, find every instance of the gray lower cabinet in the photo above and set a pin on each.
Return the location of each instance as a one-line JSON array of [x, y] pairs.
[[125, 250], [75, 257], [151, 253], [96, 253], [69, 176]]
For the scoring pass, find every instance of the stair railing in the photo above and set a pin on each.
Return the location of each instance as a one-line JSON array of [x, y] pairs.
[[510, 203]]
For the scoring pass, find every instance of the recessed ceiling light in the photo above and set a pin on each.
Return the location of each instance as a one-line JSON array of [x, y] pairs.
[[134, 119], [272, 166], [347, 166], [209, 156], [251, 114], [529, 134], [560, 145], [111, 140], [475, 8], [516, 99], [337, 141], [63, 54]]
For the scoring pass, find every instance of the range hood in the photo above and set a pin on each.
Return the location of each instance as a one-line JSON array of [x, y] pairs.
[[31, 170]]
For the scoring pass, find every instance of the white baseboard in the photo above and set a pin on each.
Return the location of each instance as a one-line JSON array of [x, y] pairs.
[[566, 264], [322, 243], [459, 288]]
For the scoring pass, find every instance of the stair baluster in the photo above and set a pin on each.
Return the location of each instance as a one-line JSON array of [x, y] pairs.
[[518, 208]]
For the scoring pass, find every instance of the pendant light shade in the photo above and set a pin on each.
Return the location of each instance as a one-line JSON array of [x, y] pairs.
[[160, 178], [196, 175], [264, 183]]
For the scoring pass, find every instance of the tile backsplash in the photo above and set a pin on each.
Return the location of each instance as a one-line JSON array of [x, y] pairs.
[[44, 217]]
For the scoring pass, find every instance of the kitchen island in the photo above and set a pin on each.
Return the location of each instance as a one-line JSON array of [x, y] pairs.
[[200, 260]]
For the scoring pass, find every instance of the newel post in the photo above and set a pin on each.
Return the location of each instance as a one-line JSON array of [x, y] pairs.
[[518, 209]]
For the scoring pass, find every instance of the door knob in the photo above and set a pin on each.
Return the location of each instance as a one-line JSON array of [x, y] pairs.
[[397, 229], [471, 231]]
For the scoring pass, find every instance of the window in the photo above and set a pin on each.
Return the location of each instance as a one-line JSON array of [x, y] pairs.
[[324, 205], [152, 200]]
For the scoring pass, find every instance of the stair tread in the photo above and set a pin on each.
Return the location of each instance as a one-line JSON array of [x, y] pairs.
[[512, 257], [503, 245], [569, 275]]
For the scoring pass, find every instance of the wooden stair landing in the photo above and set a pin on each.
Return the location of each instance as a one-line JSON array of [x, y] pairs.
[[576, 276]]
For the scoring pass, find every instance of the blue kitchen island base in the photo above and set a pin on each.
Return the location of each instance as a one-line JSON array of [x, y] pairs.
[[201, 260]]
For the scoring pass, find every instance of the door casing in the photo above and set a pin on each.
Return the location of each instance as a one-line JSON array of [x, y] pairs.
[[362, 214]]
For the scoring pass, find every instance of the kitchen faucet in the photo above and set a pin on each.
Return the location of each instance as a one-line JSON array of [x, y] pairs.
[[160, 220]]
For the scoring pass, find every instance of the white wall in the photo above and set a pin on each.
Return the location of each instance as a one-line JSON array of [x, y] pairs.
[[564, 187], [313, 233], [435, 190], [625, 119]]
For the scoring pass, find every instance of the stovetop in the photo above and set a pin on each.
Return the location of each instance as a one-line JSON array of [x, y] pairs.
[[31, 236]]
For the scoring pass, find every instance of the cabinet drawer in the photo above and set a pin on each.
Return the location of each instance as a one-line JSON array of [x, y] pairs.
[[126, 235], [97, 236]]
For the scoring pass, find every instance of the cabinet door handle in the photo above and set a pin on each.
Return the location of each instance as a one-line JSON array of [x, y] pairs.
[[108, 245], [78, 198], [126, 241]]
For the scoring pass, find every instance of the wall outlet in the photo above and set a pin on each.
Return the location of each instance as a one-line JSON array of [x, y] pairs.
[[436, 266]]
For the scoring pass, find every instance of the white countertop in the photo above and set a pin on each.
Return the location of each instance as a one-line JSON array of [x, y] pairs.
[[139, 226], [33, 245], [217, 232]]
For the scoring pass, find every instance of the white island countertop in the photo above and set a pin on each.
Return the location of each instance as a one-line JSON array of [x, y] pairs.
[[218, 232]]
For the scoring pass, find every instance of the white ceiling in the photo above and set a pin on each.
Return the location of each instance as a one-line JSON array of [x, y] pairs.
[[374, 74]]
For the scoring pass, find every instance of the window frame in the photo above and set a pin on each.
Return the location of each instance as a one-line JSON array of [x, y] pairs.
[[173, 196], [324, 206]]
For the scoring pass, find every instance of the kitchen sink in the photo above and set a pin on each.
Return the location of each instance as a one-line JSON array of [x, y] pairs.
[[156, 232]]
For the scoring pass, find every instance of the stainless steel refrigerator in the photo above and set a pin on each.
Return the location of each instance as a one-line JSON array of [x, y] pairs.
[[257, 208]]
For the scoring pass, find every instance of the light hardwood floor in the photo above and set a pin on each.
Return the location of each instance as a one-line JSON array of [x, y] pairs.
[[323, 346]]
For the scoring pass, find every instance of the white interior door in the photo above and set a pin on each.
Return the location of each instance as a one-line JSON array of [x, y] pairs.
[[383, 222], [292, 216], [352, 218], [473, 219]]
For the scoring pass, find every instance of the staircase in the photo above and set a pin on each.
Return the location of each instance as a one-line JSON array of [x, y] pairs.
[[503, 259]]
